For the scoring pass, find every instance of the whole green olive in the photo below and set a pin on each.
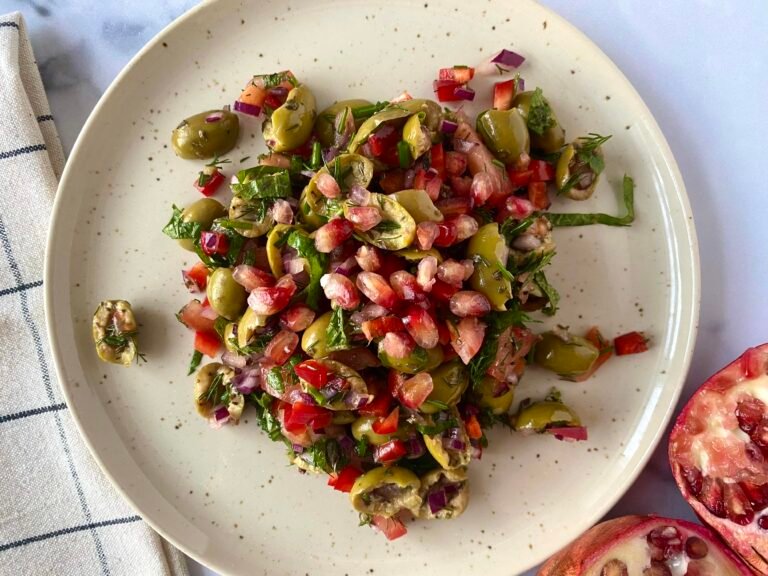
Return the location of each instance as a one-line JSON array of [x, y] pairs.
[[456, 500], [549, 141], [226, 296], [488, 249], [454, 453], [230, 337], [205, 135], [449, 381], [567, 355], [505, 133], [204, 212], [247, 326], [363, 428], [399, 490], [419, 205], [114, 332], [420, 360], [211, 374], [576, 175], [343, 417], [324, 124], [314, 341], [491, 395], [538, 416], [291, 124]]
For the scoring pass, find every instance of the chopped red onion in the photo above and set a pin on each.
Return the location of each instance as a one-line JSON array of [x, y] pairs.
[[453, 433], [437, 501], [297, 395], [451, 490], [471, 410], [464, 93], [520, 85], [346, 443], [448, 126], [415, 447], [308, 173], [293, 264], [356, 400], [298, 448], [213, 118], [330, 153], [345, 267], [359, 196], [464, 146], [234, 360], [219, 417], [282, 212], [455, 444], [334, 387], [278, 91], [569, 433], [245, 108], [499, 389], [409, 177], [209, 313], [508, 58]]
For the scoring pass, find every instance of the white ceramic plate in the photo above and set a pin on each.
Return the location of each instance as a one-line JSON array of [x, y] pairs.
[[227, 497]]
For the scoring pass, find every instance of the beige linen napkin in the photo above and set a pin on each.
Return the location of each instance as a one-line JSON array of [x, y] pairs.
[[58, 513]]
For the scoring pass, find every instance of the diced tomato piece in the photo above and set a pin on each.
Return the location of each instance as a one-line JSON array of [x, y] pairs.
[[537, 194], [606, 351], [380, 404], [289, 425], [312, 372], [467, 338], [305, 414], [457, 74], [210, 181], [214, 243], [445, 90], [519, 178], [434, 184], [378, 327], [207, 343], [392, 528], [444, 334], [415, 390], [281, 347], [196, 278], [384, 138], [437, 159], [196, 316], [344, 480], [630, 343], [474, 431], [389, 424], [503, 94], [389, 452], [253, 95], [389, 264], [541, 171]]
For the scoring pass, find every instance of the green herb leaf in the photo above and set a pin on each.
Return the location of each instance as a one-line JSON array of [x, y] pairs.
[[267, 421], [386, 226], [628, 185], [219, 325], [511, 228], [437, 404], [497, 322], [197, 357], [336, 336], [179, 229], [318, 262], [362, 112], [540, 117], [275, 379], [263, 182], [362, 447], [549, 291], [404, 154]]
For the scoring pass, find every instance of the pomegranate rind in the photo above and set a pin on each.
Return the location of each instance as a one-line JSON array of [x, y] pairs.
[[750, 541], [583, 554]]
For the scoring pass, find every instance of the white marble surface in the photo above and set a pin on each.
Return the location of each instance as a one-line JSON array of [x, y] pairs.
[[700, 65]]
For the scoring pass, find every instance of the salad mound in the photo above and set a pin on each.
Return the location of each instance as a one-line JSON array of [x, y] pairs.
[[371, 277]]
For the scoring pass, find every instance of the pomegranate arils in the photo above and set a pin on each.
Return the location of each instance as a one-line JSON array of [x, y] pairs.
[[469, 303], [378, 327], [282, 212], [250, 277], [482, 188], [455, 163], [368, 258], [364, 217], [282, 346], [397, 345], [454, 206], [665, 542], [467, 338], [426, 234], [749, 413], [333, 234], [327, 185], [737, 505], [696, 548], [452, 272], [614, 567], [426, 271], [340, 291], [376, 289], [763, 522], [466, 227], [757, 495], [693, 478], [421, 326], [405, 286], [712, 496], [297, 318], [270, 300]]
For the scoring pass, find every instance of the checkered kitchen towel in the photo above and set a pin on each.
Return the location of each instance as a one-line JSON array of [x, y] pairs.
[[58, 514]]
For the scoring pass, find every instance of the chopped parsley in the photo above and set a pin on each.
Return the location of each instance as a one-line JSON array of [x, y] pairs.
[[263, 182], [540, 117], [336, 335]]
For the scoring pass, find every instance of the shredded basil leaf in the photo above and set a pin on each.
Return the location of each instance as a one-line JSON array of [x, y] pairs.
[[263, 182], [179, 229], [318, 263], [497, 322], [275, 379], [267, 421], [197, 357], [336, 336], [628, 188], [549, 291]]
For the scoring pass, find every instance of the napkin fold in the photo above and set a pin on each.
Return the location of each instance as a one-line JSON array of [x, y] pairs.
[[58, 513]]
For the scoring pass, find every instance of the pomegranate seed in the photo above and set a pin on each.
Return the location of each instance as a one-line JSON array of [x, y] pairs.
[[442, 292], [482, 188], [665, 542], [368, 258], [466, 227], [270, 300], [467, 338], [614, 568], [376, 289], [696, 548], [327, 185], [469, 268], [754, 453], [414, 391], [749, 414], [333, 234], [712, 496], [452, 272], [462, 185], [446, 233], [737, 505], [454, 206], [250, 277], [425, 274], [297, 318], [282, 212], [455, 163], [405, 286], [518, 208], [421, 326], [340, 291], [312, 372], [757, 494], [469, 303], [763, 522], [364, 217], [693, 478], [426, 233], [397, 345], [282, 346], [369, 312], [433, 187], [754, 362], [379, 327]]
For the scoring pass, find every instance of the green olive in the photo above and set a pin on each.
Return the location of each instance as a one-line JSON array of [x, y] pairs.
[[324, 125], [197, 137], [449, 381], [230, 337], [420, 360], [314, 341], [498, 405], [419, 205], [344, 417], [250, 212], [385, 491], [488, 249], [204, 212], [397, 228], [226, 296], [247, 326], [438, 480], [274, 253], [413, 255], [354, 381], [114, 332], [212, 374], [553, 137], [567, 355], [290, 125], [430, 112], [538, 416], [363, 428], [505, 133], [575, 178], [419, 141], [450, 458]]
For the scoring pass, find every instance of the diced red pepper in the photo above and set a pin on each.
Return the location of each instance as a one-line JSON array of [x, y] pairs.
[[312, 372], [196, 278], [541, 171], [383, 139], [302, 414], [503, 94], [519, 178], [389, 424], [630, 343], [210, 181], [392, 528], [456, 74], [214, 243], [445, 90], [537, 195], [207, 343], [474, 431], [344, 480], [390, 452], [379, 406], [437, 159]]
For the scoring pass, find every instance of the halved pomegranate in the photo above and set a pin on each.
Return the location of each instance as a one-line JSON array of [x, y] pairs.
[[718, 451], [645, 546]]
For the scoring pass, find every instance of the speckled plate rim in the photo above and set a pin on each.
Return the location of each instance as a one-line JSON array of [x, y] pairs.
[[686, 253]]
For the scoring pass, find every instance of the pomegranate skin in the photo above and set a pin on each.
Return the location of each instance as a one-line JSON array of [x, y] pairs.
[[750, 541], [583, 555]]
